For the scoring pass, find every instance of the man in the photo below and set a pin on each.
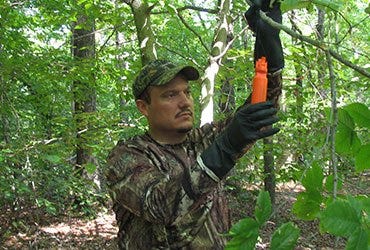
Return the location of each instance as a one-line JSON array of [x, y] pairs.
[[166, 184]]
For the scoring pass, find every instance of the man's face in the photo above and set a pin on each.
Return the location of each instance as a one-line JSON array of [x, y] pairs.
[[171, 108]]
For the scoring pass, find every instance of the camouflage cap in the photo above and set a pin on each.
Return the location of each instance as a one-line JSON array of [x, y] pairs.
[[160, 72]]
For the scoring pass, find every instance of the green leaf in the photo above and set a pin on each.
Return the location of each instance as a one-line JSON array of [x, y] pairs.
[[53, 158], [346, 141], [90, 168], [365, 203], [340, 219], [288, 5], [365, 206], [244, 227], [245, 234], [307, 205], [360, 114], [362, 158], [313, 179], [245, 243], [285, 237], [359, 240], [329, 183], [331, 5], [367, 10], [356, 204], [263, 207], [345, 119]]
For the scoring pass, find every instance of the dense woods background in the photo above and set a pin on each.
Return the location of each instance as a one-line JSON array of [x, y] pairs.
[[66, 69]]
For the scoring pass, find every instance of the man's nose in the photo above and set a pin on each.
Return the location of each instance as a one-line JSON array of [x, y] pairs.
[[185, 99]]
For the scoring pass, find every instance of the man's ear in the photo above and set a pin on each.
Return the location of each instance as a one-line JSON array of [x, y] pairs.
[[142, 106]]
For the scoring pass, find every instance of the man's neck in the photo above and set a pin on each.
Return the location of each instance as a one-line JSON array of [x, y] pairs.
[[168, 138]]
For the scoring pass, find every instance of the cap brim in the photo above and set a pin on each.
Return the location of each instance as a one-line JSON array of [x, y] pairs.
[[190, 73]]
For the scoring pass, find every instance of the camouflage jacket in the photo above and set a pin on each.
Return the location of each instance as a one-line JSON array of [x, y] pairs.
[[164, 197]]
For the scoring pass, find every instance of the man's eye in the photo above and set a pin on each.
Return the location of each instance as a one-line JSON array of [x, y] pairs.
[[171, 95]]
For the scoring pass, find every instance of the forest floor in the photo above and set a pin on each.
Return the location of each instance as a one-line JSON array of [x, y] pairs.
[[100, 233]]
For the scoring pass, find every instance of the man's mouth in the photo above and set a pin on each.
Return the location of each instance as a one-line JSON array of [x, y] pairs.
[[184, 113]]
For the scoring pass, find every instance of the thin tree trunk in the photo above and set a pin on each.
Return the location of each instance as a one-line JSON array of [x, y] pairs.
[[5, 137], [145, 35], [219, 44], [83, 90], [269, 170], [320, 35]]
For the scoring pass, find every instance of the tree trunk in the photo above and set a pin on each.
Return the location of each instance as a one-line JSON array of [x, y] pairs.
[[5, 137], [219, 44], [269, 169], [83, 42], [145, 35]]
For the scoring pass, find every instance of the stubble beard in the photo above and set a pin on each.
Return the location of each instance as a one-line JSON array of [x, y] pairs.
[[184, 130]]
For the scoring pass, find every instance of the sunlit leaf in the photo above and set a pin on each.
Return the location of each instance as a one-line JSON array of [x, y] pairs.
[[263, 207], [244, 233], [307, 206], [340, 219], [313, 179], [331, 5], [288, 5], [362, 158], [329, 183], [359, 240], [285, 237], [90, 167], [53, 158], [360, 114], [346, 140]]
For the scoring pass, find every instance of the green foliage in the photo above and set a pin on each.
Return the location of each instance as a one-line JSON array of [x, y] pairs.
[[345, 218], [244, 235], [288, 5], [263, 208], [245, 232], [352, 137], [308, 203], [285, 237]]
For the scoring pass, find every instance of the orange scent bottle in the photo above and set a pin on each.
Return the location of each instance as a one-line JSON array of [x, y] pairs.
[[259, 87]]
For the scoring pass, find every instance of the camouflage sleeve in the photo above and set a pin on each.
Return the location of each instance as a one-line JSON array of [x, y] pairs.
[[160, 188]]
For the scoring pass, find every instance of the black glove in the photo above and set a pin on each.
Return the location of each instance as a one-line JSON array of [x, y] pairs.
[[268, 42], [245, 128]]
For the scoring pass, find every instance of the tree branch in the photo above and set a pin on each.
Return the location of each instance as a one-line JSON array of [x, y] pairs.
[[188, 7], [315, 43], [229, 44], [179, 54], [333, 123], [193, 31]]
